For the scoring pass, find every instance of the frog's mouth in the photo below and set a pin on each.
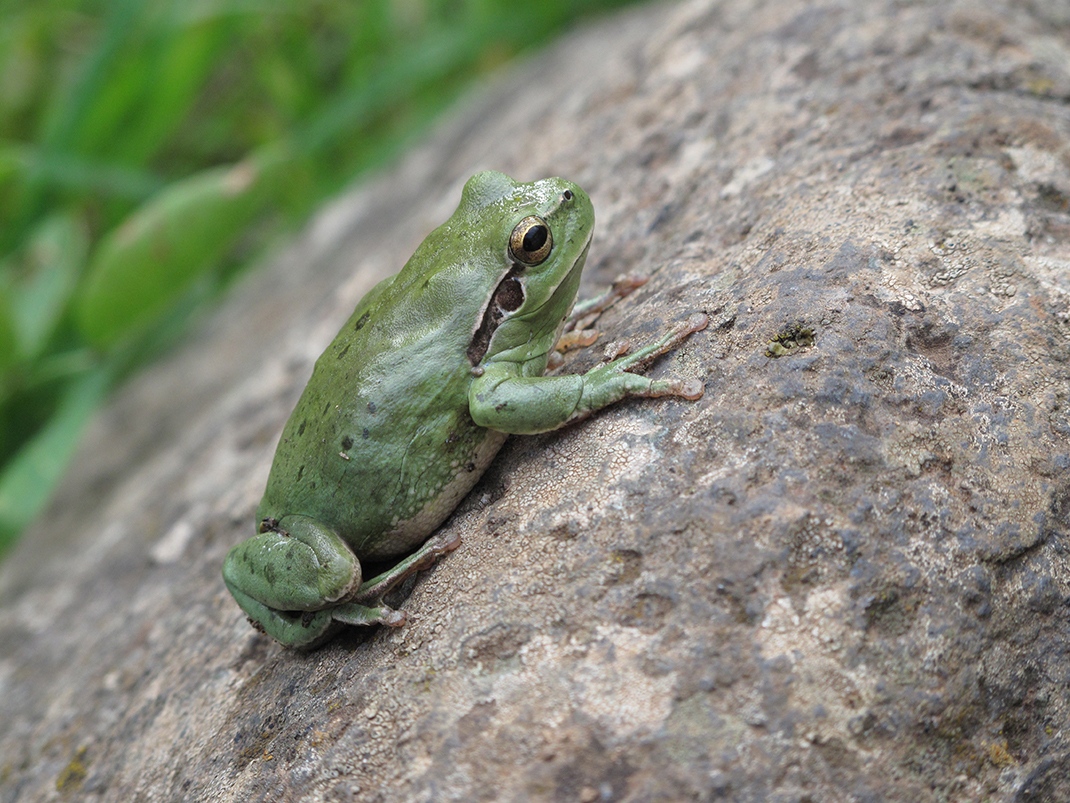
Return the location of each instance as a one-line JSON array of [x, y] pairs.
[[572, 277]]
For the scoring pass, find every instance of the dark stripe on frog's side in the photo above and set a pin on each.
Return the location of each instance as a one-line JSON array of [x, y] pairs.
[[507, 297]]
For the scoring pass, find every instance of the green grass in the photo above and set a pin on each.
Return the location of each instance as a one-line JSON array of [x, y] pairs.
[[147, 150]]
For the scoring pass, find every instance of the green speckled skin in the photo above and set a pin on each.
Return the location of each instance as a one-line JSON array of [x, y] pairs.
[[409, 404]]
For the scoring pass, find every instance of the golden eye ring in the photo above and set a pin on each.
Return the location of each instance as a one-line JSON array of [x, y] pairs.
[[531, 241]]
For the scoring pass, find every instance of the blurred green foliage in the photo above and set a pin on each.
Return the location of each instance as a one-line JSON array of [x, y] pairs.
[[149, 150]]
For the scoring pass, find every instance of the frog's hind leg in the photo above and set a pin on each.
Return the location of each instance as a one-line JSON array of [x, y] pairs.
[[372, 591], [288, 576], [300, 629], [366, 606]]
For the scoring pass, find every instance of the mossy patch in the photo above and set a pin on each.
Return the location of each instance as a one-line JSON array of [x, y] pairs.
[[790, 341], [73, 775]]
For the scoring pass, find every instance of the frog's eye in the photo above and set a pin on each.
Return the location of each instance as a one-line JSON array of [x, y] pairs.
[[531, 241]]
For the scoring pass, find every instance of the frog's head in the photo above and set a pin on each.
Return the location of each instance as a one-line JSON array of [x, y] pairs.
[[540, 233]]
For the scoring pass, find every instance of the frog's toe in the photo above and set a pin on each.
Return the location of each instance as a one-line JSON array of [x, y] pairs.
[[352, 613], [392, 618], [449, 542]]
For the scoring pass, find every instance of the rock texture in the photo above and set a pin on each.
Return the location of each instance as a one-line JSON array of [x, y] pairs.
[[842, 575]]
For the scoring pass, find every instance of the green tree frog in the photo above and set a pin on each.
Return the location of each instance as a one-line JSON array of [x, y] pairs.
[[412, 400]]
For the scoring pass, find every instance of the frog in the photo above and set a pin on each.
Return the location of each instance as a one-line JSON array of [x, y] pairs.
[[412, 400]]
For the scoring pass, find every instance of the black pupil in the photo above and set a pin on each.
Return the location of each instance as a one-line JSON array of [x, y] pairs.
[[535, 238]]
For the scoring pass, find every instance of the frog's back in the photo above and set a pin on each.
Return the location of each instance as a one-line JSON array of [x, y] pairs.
[[381, 446]]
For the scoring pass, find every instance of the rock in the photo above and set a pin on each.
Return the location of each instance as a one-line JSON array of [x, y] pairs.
[[842, 575]]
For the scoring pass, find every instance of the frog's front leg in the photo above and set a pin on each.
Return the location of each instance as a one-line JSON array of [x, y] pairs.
[[504, 400], [290, 578]]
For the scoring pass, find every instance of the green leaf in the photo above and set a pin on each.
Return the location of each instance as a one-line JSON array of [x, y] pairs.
[[45, 275], [11, 161], [160, 250], [28, 480], [68, 171], [8, 340]]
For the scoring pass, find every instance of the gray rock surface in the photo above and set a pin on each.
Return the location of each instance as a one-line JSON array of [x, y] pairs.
[[842, 575]]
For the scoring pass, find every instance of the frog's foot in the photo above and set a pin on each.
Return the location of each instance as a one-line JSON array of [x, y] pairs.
[[373, 590], [366, 607], [695, 322], [690, 389], [615, 350], [612, 381]]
